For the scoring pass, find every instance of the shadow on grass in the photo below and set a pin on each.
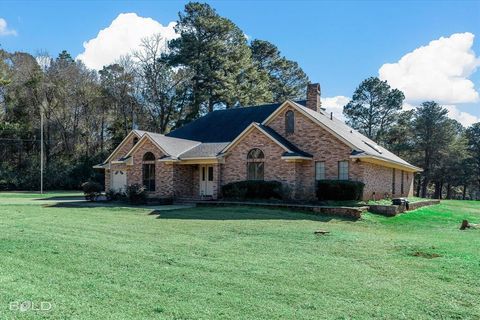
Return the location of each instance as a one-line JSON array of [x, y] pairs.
[[112, 205], [93, 204], [61, 198], [243, 213], [206, 213]]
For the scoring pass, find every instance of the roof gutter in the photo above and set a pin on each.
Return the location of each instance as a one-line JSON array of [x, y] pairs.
[[385, 162], [295, 158]]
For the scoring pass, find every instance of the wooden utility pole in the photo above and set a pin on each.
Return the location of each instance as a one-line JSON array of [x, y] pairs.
[[41, 149]]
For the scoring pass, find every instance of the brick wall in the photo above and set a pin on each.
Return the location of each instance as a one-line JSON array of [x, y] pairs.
[[378, 179], [163, 171], [107, 179], [183, 176], [235, 167], [124, 149], [324, 146]]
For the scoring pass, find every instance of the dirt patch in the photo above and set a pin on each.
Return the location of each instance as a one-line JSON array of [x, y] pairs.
[[426, 255]]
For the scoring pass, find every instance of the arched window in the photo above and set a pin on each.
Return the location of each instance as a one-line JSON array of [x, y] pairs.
[[135, 140], [289, 122], [148, 171], [255, 164]]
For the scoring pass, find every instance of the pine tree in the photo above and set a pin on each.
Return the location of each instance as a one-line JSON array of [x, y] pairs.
[[287, 80], [373, 108], [215, 51]]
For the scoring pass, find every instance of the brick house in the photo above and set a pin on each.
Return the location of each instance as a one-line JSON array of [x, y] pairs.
[[295, 142]]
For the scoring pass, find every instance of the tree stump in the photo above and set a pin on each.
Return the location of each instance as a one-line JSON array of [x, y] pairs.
[[466, 225]]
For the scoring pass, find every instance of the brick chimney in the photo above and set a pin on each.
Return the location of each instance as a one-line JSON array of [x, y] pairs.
[[313, 97]]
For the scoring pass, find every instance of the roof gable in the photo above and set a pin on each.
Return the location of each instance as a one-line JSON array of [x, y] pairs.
[[137, 133], [361, 145], [169, 146], [286, 145]]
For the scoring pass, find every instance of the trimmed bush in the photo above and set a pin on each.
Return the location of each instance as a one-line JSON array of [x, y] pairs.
[[253, 189], [91, 190], [136, 194], [113, 195], [339, 190]]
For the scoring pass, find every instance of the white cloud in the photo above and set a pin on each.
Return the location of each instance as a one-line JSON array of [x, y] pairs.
[[123, 36], [407, 106], [335, 105], [4, 30], [438, 71], [465, 118]]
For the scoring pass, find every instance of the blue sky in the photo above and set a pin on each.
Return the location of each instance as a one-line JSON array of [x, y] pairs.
[[337, 43]]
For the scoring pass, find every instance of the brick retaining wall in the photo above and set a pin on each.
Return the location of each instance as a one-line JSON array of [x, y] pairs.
[[345, 212], [393, 210]]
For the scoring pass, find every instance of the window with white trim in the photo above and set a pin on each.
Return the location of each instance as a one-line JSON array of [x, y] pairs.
[[401, 185], [148, 171], [289, 122], [342, 170], [255, 164], [319, 170], [393, 181]]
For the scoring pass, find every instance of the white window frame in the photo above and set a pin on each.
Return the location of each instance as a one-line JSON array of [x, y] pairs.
[[343, 170], [319, 170]]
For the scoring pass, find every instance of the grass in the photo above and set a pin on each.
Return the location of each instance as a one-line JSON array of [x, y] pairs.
[[355, 203], [236, 263]]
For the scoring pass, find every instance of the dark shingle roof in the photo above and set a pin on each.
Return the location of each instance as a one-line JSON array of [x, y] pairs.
[[224, 125]]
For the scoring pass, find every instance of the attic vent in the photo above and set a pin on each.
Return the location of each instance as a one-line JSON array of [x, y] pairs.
[[374, 147]]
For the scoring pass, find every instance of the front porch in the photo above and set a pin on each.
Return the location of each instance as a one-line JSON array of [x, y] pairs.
[[198, 181]]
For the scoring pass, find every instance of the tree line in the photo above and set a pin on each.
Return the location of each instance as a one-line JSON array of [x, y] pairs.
[[164, 85], [161, 86], [448, 153]]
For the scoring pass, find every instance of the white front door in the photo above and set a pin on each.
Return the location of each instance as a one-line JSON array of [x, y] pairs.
[[119, 180], [206, 180]]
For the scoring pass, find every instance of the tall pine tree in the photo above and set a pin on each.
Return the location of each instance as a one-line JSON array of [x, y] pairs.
[[216, 52]]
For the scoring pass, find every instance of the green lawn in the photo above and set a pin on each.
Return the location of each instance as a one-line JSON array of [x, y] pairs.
[[236, 263]]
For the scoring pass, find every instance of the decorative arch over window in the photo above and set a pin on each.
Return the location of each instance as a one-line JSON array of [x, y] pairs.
[[148, 157], [148, 171], [255, 164], [289, 122]]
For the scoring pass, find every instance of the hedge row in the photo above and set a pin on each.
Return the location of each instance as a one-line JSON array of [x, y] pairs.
[[325, 190], [339, 190], [253, 189]]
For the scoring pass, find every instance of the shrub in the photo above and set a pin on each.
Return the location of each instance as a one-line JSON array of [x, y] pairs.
[[113, 195], [91, 190], [339, 190], [136, 194], [253, 189]]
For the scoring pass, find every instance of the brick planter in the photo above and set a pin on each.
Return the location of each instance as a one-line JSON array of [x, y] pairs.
[[386, 210], [393, 210]]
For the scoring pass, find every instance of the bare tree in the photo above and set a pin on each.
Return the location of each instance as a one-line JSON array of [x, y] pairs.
[[163, 90]]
